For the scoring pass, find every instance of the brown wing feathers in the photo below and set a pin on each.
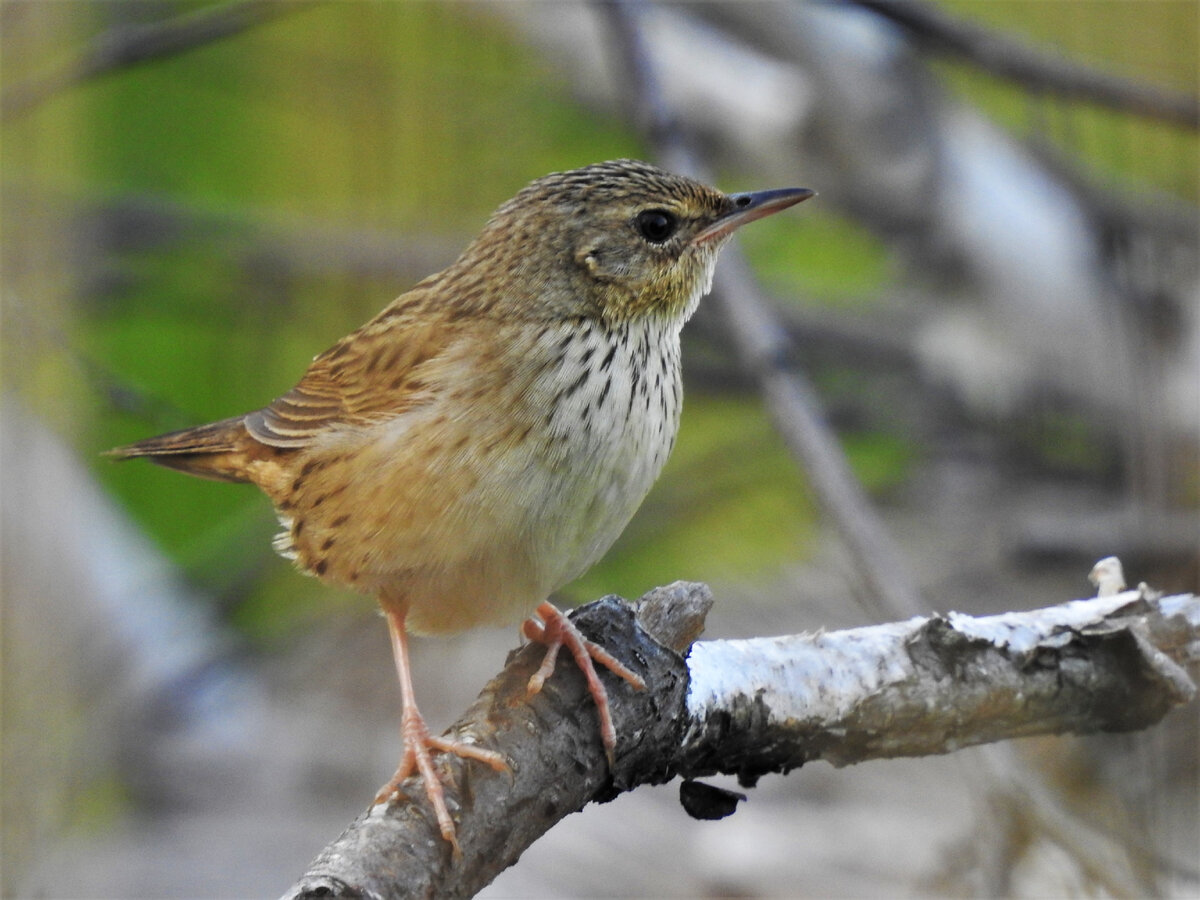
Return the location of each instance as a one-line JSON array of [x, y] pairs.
[[293, 419], [375, 372]]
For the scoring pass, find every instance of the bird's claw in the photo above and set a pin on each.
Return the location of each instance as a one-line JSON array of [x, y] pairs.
[[555, 631]]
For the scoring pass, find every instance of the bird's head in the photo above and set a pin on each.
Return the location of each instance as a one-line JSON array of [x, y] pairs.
[[618, 240]]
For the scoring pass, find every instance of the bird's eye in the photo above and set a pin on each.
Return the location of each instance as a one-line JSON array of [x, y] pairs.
[[656, 225]]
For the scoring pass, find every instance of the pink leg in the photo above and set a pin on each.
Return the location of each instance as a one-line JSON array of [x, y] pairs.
[[418, 741], [556, 631]]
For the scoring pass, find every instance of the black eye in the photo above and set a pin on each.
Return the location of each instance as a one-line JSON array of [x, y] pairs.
[[656, 225]]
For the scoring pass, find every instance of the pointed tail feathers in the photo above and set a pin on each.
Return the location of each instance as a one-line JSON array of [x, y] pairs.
[[216, 451]]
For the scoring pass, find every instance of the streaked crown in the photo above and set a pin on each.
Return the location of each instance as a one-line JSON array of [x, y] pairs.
[[615, 240]]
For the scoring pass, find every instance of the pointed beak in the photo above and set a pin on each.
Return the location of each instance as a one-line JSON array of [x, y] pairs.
[[748, 207]]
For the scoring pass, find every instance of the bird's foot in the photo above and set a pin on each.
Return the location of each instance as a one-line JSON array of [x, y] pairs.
[[555, 631], [418, 744]]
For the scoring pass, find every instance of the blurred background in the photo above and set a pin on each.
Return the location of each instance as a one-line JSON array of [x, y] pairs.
[[995, 299]]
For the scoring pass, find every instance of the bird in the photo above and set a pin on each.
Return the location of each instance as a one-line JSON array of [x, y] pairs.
[[484, 439]]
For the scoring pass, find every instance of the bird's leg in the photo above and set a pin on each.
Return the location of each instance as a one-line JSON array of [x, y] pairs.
[[418, 741], [556, 631]]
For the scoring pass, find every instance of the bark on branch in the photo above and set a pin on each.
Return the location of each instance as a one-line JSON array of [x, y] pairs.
[[928, 685]]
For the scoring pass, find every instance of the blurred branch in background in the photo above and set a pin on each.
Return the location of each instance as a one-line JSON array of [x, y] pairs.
[[1001, 55], [137, 675], [124, 46], [764, 349]]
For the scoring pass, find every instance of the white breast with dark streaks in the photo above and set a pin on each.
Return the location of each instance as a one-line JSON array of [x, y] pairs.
[[611, 423]]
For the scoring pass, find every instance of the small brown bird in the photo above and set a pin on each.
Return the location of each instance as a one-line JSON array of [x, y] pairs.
[[483, 441]]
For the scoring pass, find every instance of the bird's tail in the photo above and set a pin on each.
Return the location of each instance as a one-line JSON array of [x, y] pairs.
[[216, 450]]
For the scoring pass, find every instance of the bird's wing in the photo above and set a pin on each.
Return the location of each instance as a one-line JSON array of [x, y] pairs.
[[382, 370]]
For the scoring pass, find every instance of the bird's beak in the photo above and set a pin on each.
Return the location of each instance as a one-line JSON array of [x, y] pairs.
[[748, 207]]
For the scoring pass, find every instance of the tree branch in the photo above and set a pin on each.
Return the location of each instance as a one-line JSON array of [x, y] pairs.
[[929, 685]]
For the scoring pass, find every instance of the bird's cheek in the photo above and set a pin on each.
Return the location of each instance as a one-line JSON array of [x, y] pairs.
[[603, 263], [589, 260]]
